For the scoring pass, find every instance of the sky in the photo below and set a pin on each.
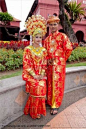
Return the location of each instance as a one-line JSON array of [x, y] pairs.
[[19, 9]]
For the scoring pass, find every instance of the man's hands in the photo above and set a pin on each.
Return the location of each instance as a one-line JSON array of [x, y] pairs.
[[50, 61]]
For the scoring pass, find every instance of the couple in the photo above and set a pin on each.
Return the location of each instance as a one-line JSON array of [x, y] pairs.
[[43, 64]]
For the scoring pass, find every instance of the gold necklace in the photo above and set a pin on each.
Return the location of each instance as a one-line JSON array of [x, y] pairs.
[[37, 51]]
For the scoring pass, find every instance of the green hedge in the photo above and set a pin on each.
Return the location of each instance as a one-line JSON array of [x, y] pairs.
[[78, 54], [10, 59]]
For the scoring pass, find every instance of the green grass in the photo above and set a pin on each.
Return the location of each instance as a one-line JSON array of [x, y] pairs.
[[76, 64], [19, 72]]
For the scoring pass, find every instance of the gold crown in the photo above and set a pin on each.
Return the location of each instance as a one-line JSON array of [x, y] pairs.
[[34, 22]]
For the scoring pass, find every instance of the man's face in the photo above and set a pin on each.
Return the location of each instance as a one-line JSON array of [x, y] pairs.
[[53, 27]]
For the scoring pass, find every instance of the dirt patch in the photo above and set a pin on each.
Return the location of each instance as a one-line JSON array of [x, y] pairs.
[[74, 62]]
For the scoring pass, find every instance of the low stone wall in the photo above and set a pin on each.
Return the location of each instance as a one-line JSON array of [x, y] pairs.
[[75, 78], [13, 96]]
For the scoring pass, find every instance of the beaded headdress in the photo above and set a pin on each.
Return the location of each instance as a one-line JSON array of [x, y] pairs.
[[36, 24], [52, 18]]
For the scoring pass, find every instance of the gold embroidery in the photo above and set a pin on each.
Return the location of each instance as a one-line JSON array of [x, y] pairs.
[[60, 84], [42, 72], [58, 38], [59, 69], [68, 44], [59, 99], [65, 36], [28, 69], [58, 53], [55, 62], [52, 49], [53, 42], [26, 56], [37, 51], [41, 83], [62, 61], [31, 71], [56, 77], [37, 59], [57, 92]]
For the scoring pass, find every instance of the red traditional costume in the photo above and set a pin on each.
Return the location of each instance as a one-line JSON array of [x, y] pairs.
[[34, 63], [59, 49]]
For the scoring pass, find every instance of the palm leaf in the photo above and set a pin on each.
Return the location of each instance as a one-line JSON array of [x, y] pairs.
[[75, 10]]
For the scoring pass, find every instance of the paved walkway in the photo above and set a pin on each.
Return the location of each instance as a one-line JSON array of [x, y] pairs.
[[72, 117]]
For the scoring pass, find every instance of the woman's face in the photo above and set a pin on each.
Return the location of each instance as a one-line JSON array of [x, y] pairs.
[[37, 39]]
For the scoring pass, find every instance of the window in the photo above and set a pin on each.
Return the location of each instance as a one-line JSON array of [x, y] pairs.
[[72, 0], [84, 1]]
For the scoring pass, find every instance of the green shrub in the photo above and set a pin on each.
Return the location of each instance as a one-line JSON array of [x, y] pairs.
[[2, 67], [3, 55], [10, 59], [77, 54], [10, 64]]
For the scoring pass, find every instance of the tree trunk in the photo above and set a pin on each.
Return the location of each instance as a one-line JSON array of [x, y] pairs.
[[66, 23]]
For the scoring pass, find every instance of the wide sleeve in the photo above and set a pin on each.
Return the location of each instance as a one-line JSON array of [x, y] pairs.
[[67, 46], [44, 63], [28, 69], [45, 43], [47, 46]]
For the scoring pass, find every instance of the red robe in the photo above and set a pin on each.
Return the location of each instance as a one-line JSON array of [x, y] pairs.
[[34, 63], [59, 49]]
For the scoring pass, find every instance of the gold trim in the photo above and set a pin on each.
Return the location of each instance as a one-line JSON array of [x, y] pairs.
[[53, 92], [38, 96]]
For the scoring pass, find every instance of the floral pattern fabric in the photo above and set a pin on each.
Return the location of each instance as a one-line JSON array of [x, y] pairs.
[[34, 63], [59, 49]]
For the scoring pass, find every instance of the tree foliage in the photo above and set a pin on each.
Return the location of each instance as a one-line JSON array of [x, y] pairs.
[[5, 17], [68, 14], [75, 11]]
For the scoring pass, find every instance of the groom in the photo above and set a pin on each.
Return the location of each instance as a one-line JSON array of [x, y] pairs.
[[59, 49]]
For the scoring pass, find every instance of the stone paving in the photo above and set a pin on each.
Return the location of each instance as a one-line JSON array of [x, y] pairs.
[[72, 117]]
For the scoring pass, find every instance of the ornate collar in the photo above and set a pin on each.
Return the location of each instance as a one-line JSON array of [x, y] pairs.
[[37, 51]]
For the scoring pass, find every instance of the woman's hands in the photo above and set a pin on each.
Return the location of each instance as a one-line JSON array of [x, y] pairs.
[[38, 77]]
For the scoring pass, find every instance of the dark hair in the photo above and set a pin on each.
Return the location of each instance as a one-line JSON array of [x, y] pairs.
[[54, 14]]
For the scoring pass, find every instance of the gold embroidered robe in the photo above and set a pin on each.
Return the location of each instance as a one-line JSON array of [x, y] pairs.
[[59, 49], [34, 63]]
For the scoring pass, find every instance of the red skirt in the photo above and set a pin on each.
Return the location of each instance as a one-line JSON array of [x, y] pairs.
[[35, 106], [36, 102]]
